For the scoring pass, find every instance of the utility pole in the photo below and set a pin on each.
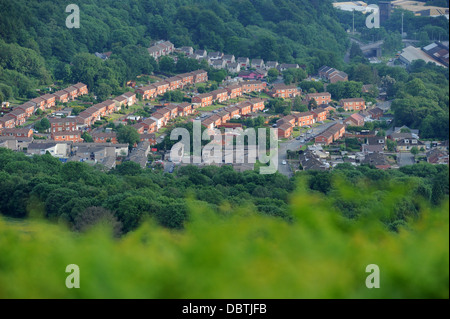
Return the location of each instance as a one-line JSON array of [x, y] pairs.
[[402, 25], [353, 21]]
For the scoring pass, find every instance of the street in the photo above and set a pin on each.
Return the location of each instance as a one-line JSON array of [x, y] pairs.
[[295, 145]]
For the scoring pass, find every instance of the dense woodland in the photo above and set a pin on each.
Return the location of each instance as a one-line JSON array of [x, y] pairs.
[[42, 185]]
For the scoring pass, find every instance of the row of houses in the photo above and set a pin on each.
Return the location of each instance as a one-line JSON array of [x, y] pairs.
[[21, 113], [160, 49], [287, 123], [219, 60], [332, 134], [173, 83], [227, 93], [235, 111]]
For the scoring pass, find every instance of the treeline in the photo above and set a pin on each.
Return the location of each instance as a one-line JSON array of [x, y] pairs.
[[79, 195]]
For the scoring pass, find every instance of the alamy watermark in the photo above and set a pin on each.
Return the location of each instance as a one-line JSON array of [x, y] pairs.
[[73, 19], [373, 20], [373, 280], [73, 280], [226, 148]]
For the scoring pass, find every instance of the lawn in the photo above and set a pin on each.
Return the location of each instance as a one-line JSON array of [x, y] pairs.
[[211, 108]]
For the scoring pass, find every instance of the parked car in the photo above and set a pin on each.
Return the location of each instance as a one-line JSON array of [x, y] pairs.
[[283, 162]]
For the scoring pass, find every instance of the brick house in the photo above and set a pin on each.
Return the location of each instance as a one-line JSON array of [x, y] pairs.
[[84, 119], [28, 107], [253, 86], [63, 124], [185, 109], [61, 96], [148, 92], [319, 115], [19, 115], [285, 130], [173, 110], [355, 104], [224, 116], [150, 125], [257, 105], [7, 121], [304, 118], [284, 91], [244, 108], [82, 88], [200, 76], [67, 136], [50, 100], [220, 95], [250, 75], [234, 91], [287, 119], [161, 87], [208, 123], [72, 91], [17, 132], [233, 111], [321, 98], [110, 106], [203, 100], [325, 138], [175, 83], [39, 103], [355, 120], [186, 78], [98, 110], [103, 137], [330, 135], [376, 113]]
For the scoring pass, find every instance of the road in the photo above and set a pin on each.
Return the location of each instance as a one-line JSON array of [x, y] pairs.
[[404, 159], [295, 145]]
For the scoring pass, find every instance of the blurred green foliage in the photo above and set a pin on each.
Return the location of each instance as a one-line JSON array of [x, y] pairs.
[[234, 254]]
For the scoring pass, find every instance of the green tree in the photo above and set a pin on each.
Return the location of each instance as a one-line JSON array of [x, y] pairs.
[[128, 135]]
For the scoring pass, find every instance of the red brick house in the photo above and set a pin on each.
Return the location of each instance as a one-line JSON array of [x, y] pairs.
[[355, 104], [355, 120], [61, 96], [319, 115], [120, 102], [139, 127], [63, 124], [104, 137], [184, 109], [233, 111], [7, 121], [28, 107], [148, 137], [85, 118], [150, 125], [17, 132], [186, 78], [287, 119], [284, 91], [220, 95], [257, 105], [304, 118], [173, 110], [224, 116], [39, 103], [321, 98], [200, 76], [110, 106], [50, 100], [82, 88], [203, 100], [253, 86], [159, 119], [175, 83], [67, 136], [19, 115], [148, 92], [285, 130], [244, 108], [72, 91], [162, 87], [325, 138], [234, 91]]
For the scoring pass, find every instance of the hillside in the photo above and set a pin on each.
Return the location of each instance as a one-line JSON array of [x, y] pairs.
[[305, 31]]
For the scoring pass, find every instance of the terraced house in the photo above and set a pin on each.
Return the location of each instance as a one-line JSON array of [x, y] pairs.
[[284, 91], [355, 104], [63, 124], [321, 98], [203, 100]]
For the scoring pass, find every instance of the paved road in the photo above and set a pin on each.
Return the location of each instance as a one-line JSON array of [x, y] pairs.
[[295, 145], [404, 159]]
